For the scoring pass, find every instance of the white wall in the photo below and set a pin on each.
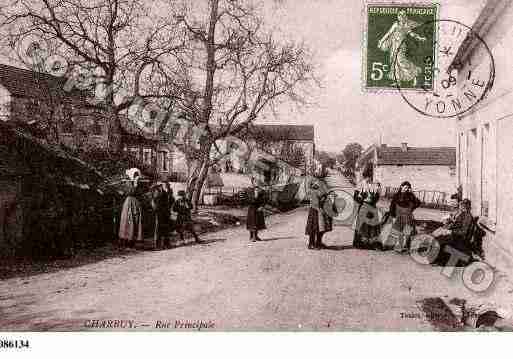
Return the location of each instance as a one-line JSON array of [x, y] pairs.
[[485, 145], [178, 161], [422, 178], [5, 103]]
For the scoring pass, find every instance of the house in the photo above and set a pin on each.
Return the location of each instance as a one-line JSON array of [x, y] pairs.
[[40, 101], [426, 168], [485, 148], [291, 145], [152, 151]]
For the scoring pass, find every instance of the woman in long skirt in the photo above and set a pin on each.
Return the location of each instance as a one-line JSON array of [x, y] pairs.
[[367, 225], [402, 206], [318, 222], [130, 224], [255, 220]]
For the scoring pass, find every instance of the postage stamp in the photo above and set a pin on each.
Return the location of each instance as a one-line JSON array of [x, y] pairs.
[[395, 51]]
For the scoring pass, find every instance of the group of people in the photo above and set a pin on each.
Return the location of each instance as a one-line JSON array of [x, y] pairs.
[[157, 216], [395, 228]]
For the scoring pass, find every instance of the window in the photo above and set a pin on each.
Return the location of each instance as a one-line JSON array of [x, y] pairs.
[[164, 161], [486, 171], [96, 128], [452, 171], [147, 156], [135, 152]]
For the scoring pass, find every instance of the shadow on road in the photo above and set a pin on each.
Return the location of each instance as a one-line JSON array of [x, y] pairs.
[[275, 238], [194, 243], [339, 248]]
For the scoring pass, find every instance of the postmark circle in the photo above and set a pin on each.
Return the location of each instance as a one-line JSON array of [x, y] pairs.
[[446, 93]]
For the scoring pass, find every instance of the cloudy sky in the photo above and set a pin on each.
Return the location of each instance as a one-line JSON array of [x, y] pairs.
[[344, 113]]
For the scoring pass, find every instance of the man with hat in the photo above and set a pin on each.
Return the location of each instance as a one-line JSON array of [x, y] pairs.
[[183, 208]]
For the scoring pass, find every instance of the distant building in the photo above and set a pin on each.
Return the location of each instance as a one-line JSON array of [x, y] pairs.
[[484, 134], [426, 168], [38, 101], [291, 145], [155, 153]]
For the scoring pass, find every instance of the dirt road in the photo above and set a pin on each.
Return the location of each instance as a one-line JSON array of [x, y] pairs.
[[231, 284]]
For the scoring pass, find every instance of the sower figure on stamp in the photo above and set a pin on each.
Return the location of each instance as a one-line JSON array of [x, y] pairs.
[[183, 208], [393, 42]]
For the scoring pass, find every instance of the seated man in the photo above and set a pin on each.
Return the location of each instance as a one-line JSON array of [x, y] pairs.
[[458, 223], [455, 229]]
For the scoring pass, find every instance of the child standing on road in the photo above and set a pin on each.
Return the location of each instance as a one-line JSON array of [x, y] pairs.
[[184, 222]]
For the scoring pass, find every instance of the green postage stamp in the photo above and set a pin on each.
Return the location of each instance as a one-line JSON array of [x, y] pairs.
[[399, 50]]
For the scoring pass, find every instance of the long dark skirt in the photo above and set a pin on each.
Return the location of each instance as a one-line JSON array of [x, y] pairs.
[[367, 228], [255, 220], [312, 222], [318, 222]]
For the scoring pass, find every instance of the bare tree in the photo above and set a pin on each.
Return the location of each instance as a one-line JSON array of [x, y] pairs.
[[123, 47], [237, 70]]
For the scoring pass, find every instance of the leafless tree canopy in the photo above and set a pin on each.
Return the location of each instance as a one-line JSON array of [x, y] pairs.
[[237, 67], [214, 61], [127, 45]]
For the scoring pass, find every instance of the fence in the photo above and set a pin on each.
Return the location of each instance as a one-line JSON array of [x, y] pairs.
[[231, 195], [429, 199]]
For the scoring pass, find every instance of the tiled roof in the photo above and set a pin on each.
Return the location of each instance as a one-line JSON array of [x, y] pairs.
[[417, 156], [283, 132], [26, 83]]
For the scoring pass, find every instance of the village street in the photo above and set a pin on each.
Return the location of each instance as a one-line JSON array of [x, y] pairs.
[[232, 284]]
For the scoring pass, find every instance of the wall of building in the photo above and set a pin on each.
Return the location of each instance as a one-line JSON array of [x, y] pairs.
[[422, 178], [179, 162], [485, 148]]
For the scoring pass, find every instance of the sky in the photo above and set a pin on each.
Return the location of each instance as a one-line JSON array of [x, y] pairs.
[[344, 113]]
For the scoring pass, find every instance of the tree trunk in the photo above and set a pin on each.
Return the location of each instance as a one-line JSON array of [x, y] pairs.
[[114, 135], [200, 182]]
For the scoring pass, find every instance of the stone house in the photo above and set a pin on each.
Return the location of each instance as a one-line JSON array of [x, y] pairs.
[[39, 101], [426, 168], [152, 151]]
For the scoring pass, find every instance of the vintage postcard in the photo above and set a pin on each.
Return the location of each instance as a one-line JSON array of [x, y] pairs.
[[247, 165]]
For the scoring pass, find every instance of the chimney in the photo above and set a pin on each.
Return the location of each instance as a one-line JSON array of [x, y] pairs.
[[404, 146]]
